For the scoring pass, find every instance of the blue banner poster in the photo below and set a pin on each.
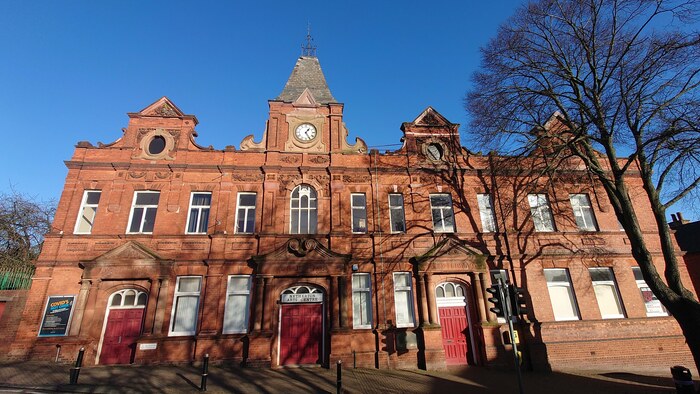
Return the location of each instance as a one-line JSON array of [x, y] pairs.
[[57, 316]]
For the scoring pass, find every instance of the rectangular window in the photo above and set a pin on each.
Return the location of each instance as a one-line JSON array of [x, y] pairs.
[[358, 205], [396, 213], [541, 214], [88, 210], [361, 301], [443, 215], [561, 294], [183, 320], [488, 216], [403, 299], [495, 274], [198, 220], [606, 293], [583, 212], [237, 302], [653, 305], [143, 212], [245, 214]]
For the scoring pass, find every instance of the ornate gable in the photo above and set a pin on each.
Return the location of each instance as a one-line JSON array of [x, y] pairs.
[[431, 117], [131, 250], [302, 255], [163, 108], [451, 255]]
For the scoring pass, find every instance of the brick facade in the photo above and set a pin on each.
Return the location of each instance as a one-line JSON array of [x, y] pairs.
[[376, 213]]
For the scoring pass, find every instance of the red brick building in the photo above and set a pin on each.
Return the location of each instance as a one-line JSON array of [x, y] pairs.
[[302, 248]]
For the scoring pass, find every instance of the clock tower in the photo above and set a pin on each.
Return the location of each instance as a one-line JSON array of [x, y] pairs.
[[305, 117]]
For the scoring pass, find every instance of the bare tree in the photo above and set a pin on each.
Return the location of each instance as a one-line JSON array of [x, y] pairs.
[[23, 223], [616, 85]]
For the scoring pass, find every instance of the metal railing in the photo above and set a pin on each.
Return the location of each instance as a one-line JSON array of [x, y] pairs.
[[16, 278]]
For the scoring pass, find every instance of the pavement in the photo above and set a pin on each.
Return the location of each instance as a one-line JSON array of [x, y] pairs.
[[43, 377]]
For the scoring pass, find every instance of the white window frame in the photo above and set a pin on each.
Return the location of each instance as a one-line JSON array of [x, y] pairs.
[[306, 212], [246, 311], [486, 212], [357, 293], [396, 212], [583, 214], [174, 306], [359, 208], [572, 296], [404, 289], [199, 209], [644, 288], [81, 213], [247, 211], [610, 283], [146, 208], [541, 212], [442, 210]]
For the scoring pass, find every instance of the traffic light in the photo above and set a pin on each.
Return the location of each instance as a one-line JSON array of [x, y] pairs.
[[496, 299], [517, 301]]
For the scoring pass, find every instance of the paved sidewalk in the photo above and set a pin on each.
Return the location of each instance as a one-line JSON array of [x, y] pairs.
[[32, 377]]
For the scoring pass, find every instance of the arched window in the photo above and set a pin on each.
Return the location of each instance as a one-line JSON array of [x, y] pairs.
[[128, 298], [303, 215]]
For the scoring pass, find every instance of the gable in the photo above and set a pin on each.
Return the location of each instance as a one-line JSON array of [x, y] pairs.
[[131, 250], [163, 108], [431, 117]]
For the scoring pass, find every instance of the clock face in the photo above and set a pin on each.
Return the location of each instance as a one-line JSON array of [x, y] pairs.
[[305, 132], [434, 152]]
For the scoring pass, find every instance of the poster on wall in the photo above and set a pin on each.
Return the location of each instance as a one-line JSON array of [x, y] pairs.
[[57, 315]]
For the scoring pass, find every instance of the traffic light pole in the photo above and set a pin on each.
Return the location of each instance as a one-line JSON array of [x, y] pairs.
[[508, 314]]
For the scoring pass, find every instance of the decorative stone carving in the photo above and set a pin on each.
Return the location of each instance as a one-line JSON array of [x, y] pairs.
[[319, 159], [166, 111], [358, 147], [357, 178], [290, 159], [137, 175], [249, 143], [246, 177]]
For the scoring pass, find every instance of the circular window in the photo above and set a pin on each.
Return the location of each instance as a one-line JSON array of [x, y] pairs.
[[157, 145], [434, 152]]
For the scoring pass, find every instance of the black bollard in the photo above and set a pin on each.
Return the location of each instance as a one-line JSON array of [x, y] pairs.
[[339, 380], [683, 379], [205, 373], [75, 371]]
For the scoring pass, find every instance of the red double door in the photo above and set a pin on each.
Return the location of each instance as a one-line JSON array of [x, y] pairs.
[[301, 332], [122, 331], [453, 321]]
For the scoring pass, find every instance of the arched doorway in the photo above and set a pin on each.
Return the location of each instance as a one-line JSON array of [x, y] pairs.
[[454, 322], [301, 326], [123, 324]]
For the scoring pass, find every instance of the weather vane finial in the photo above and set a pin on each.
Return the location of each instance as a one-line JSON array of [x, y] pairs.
[[309, 49]]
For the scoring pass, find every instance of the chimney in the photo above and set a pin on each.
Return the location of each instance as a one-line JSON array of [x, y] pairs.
[[677, 221]]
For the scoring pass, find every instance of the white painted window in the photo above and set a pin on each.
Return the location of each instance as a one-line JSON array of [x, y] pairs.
[[397, 217], [403, 299], [88, 210], [361, 301], [245, 213], [583, 212], [198, 216], [606, 293], [443, 214], [358, 208], [183, 320], [143, 212], [541, 214], [303, 210], [488, 216], [652, 304], [236, 312], [561, 294]]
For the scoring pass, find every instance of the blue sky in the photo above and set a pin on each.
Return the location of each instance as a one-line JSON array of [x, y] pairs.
[[71, 70]]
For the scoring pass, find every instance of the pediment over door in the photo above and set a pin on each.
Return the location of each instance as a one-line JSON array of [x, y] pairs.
[[130, 260], [451, 255], [301, 257]]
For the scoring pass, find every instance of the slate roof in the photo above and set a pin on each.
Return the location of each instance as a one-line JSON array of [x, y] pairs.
[[307, 74], [688, 237]]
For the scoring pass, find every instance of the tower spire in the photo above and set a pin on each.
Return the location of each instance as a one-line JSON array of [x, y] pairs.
[[309, 49]]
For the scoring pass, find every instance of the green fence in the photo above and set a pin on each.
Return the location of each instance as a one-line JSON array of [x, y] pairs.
[[16, 278]]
